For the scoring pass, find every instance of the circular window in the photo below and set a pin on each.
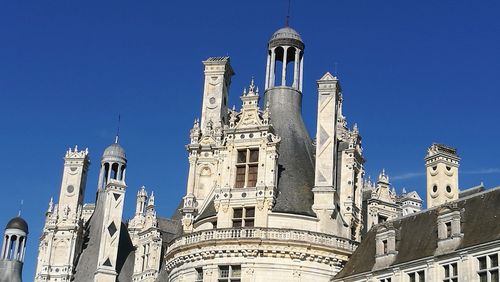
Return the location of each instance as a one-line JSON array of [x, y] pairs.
[[434, 188], [70, 189], [212, 100], [448, 189], [448, 168], [434, 167]]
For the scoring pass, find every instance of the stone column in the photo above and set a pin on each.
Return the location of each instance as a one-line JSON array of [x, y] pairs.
[[101, 177], [296, 68], [4, 247], [268, 65], [272, 70], [301, 73], [119, 172], [16, 250], [109, 172], [283, 69]]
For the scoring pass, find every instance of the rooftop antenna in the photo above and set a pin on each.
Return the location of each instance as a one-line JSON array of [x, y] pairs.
[[117, 130], [20, 208], [288, 13]]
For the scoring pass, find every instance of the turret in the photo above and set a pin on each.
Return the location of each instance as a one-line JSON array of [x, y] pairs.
[[111, 186], [283, 94], [13, 250]]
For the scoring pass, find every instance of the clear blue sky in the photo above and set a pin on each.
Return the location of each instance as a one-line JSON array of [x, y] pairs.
[[413, 73]]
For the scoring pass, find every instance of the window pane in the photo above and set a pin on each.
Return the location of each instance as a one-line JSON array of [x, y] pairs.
[[448, 229], [237, 223], [483, 277], [494, 275], [223, 271], [242, 157], [494, 260], [236, 271], [238, 213], [252, 175], [482, 262], [240, 177], [446, 271], [254, 155], [250, 212], [455, 269], [249, 223]]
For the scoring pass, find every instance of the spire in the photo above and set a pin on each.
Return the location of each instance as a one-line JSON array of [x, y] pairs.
[[20, 208], [287, 21], [117, 130]]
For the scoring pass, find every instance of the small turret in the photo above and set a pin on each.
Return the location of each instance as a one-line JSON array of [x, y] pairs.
[[13, 250]]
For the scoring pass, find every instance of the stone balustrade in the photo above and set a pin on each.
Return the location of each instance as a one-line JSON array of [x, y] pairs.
[[271, 234]]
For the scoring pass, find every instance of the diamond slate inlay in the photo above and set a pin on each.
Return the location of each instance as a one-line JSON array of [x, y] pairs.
[[107, 262], [112, 229], [117, 196]]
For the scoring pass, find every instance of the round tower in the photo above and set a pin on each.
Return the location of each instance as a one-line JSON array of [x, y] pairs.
[[285, 60], [13, 250]]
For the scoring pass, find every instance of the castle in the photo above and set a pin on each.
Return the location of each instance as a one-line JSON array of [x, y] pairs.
[[264, 201]]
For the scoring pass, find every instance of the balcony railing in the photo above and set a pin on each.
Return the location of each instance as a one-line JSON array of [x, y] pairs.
[[274, 234]]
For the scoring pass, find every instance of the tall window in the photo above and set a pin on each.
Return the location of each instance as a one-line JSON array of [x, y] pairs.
[[385, 246], [417, 276], [488, 268], [199, 274], [229, 273], [246, 168], [448, 229], [450, 272], [243, 217]]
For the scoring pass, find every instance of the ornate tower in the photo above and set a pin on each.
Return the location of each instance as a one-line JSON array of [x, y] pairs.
[[13, 250], [62, 237], [284, 95], [441, 165], [112, 187], [218, 73]]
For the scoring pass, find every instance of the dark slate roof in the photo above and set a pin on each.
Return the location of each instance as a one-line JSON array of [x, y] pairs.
[[480, 224], [87, 259], [169, 229], [295, 161], [209, 211], [17, 223], [471, 191]]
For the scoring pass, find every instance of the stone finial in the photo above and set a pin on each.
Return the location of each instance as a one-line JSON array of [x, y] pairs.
[[51, 205], [151, 200], [382, 177]]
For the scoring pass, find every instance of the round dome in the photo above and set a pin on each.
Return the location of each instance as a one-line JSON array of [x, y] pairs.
[[286, 32], [17, 223], [114, 151], [286, 36]]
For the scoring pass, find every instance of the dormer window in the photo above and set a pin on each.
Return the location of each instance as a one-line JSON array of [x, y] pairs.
[[449, 225], [247, 165], [385, 246]]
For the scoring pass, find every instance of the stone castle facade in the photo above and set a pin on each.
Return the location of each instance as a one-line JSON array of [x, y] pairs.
[[264, 201]]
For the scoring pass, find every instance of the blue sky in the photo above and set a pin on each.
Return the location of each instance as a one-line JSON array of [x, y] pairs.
[[412, 72]]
